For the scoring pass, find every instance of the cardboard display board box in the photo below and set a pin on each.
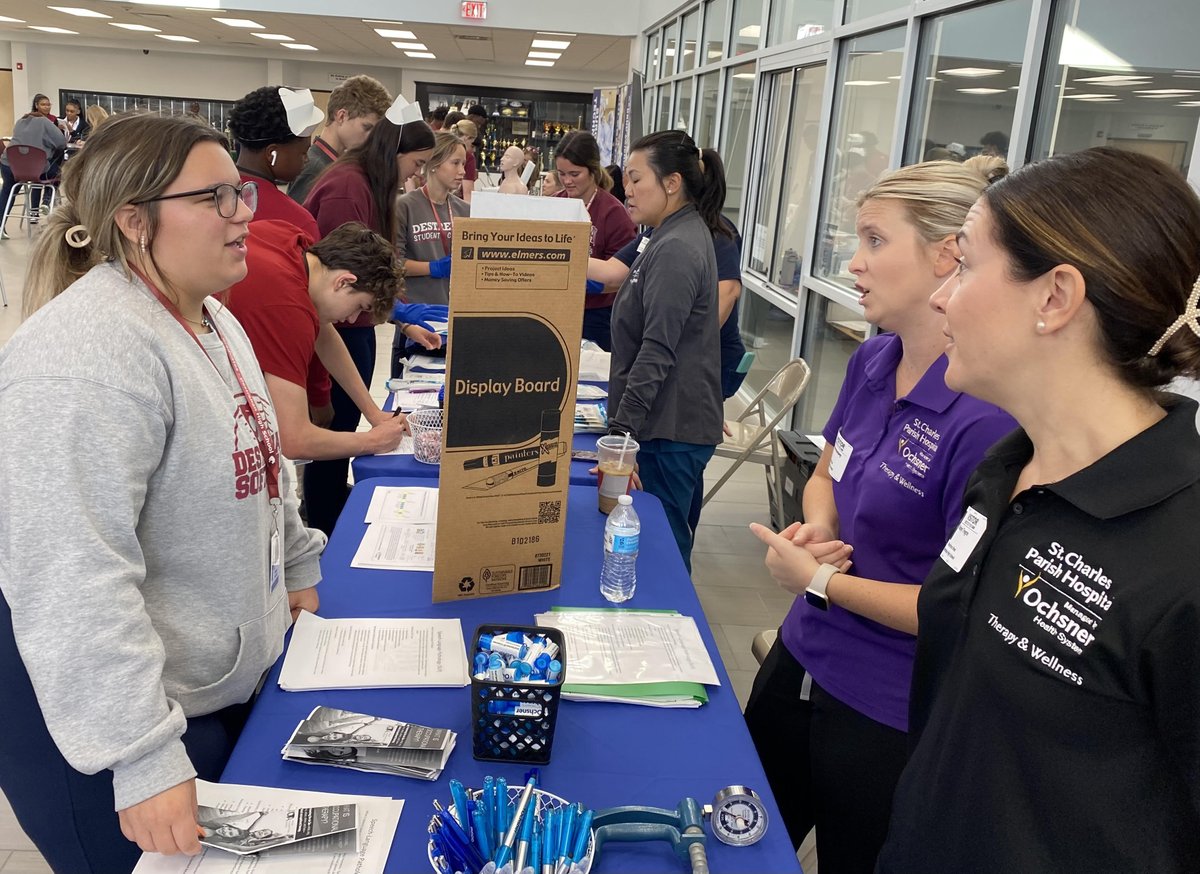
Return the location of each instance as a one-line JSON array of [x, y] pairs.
[[516, 297]]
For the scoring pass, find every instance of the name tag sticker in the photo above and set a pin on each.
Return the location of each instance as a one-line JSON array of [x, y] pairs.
[[841, 455], [965, 538], [642, 244], [276, 568]]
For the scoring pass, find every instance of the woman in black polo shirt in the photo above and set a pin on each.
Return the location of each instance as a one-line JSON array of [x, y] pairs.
[[1056, 692]]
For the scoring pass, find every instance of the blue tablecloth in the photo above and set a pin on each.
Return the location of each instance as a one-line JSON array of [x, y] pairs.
[[604, 754]]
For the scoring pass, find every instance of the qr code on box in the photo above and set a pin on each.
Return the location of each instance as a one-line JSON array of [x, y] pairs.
[[549, 512]]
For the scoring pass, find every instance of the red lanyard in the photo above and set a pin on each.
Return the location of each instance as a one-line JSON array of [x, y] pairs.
[[438, 219], [325, 147], [265, 444]]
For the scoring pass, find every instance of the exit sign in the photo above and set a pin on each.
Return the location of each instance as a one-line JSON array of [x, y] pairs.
[[476, 9]]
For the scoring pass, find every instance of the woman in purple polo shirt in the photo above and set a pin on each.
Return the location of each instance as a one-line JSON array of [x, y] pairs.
[[829, 709]]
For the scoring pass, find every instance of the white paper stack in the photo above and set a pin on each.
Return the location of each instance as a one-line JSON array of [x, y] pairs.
[[374, 654], [360, 742], [591, 419], [594, 365], [652, 658], [402, 529], [376, 820]]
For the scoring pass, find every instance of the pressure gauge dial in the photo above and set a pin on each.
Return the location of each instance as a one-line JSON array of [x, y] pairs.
[[739, 817]]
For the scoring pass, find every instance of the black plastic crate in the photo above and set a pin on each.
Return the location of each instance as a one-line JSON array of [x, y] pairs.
[[801, 457], [526, 735]]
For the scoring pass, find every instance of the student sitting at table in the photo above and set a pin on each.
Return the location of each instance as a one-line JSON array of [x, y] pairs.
[[38, 130], [292, 294], [73, 124]]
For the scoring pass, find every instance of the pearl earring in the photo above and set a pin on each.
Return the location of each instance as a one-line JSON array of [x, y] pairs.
[[142, 243], [1041, 326], [273, 158]]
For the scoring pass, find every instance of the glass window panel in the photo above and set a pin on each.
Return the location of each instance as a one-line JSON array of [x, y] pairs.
[[706, 112], [784, 209], [687, 40], [664, 108], [1120, 76], [859, 9], [864, 118], [968, 69], [739, 91], [714, 30], [831, 334], [670, 47], [774, 153], [652, 56], [683, 104], [767, 332], [747, 26], [798, 19]]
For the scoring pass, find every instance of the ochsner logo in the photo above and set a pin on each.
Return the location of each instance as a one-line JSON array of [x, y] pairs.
[[1024, 580]]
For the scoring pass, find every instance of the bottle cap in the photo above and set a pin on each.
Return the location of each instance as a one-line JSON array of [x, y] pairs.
[[625, 500], [485, 641]]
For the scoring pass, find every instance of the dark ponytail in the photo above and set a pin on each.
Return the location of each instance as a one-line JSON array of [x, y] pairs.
[[377, 158], [702, 172]]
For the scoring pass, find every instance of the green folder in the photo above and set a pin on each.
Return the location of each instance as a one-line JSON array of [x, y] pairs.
[[646, 694]]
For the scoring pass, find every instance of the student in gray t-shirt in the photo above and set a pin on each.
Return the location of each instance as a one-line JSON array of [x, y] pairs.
[[423, 229]]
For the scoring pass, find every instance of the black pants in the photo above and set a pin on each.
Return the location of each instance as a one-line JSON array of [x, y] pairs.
[[69, 815], [597, 327], [828, 765], [325, 482]]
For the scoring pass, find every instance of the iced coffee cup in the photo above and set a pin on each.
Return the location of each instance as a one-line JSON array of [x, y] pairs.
[[617, 456]]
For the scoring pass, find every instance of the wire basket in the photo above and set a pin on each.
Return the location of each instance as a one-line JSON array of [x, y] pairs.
[[426, 426], [545, 801]]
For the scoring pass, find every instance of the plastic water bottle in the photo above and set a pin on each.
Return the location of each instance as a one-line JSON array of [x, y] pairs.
[[618, 577]]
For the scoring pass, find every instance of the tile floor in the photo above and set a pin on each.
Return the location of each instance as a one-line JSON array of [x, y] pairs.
[[739, 597]]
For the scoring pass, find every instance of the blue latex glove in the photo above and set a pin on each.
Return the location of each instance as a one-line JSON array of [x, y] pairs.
[[421, 314], [595, 286], [440, 268]]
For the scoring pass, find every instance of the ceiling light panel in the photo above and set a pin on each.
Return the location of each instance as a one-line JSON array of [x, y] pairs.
[[421, 54], [239, 22], [174, 38], [278, 37], [970, 72], [299, 46], [7, 20], [388, 33], [411, 46], [550, 44], [141, 28], [553, 56], [44, 29], [534, 62], [78, 12]]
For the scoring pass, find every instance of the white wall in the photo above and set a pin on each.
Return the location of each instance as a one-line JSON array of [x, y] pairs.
[[5, 55]]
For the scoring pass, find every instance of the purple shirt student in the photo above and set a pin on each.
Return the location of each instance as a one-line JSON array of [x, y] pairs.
[[899, 469]]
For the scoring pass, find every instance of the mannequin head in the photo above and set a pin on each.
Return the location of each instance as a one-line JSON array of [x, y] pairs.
[[512, 160]]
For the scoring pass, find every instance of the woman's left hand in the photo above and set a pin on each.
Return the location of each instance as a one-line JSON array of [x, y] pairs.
[[791, 565], [303, 599]]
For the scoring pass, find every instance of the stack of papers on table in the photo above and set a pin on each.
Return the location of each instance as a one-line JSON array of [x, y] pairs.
[[425, 368], [239, 816], [587, 392], [374, 654], [401, 529], [594, 365], [651, 657], [408, 395], [591, 418], [360, 742]]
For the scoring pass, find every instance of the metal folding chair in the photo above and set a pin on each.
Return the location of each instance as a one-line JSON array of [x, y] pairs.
[[754, 431]]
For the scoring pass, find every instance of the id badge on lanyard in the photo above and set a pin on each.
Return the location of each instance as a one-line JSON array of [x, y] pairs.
[[275, 570]]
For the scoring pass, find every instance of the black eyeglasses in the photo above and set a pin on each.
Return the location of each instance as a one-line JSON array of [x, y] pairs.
[[225, 196]]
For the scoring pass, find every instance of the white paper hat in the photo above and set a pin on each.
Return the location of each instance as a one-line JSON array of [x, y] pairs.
[[401, 112], [303, 114]]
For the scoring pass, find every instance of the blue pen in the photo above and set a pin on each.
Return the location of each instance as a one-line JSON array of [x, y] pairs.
[[504, 853], [584, 834], [489, 811], [526, 835], [535, 851], [501, 812], [564, 839], [461, 810], [483, 842]]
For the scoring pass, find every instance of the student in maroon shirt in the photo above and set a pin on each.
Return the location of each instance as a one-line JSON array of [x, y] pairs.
[[361, 186], [577, 160], [274, 145]]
